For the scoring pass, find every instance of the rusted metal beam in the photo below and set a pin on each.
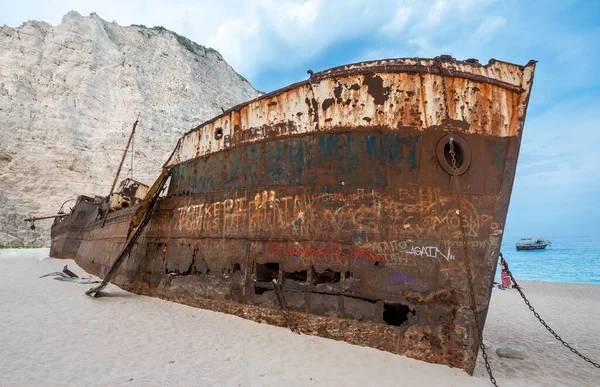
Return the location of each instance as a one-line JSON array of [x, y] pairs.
[[35, 218]]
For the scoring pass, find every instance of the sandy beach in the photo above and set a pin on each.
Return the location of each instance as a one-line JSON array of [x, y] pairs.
[[53, 335]]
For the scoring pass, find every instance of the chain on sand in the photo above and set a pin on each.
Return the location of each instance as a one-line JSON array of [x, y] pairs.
[[541, 320], [470, 278], [289, 321]]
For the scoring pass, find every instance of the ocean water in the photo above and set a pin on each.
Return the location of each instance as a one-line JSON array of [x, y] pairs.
[[569, 259]]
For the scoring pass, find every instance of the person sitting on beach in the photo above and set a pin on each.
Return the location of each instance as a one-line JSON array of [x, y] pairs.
[[505, 278]]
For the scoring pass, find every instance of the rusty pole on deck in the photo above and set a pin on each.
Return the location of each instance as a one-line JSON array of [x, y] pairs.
[[124, 155], [112, 188]]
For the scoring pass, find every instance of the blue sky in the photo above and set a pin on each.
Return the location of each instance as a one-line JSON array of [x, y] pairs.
[[273, 43]]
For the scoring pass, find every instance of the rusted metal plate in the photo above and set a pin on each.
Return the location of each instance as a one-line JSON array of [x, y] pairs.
[[384, 95], [341, 188], [129, 193], [68, 232]]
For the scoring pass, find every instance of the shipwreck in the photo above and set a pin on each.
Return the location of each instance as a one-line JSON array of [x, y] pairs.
[[365, 204]]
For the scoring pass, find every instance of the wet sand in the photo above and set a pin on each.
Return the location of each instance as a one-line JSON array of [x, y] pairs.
[[53, 335]]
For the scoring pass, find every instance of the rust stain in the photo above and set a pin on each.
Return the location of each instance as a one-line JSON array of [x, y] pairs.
[[327, 103], [375, 88], [393, 94]]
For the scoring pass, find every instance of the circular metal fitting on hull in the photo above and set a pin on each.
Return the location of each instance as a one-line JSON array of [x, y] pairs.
[[461, 150]]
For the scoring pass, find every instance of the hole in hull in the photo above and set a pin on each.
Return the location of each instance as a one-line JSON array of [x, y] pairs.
[[300, 276], [260, 290], [326, 277], [462, 154], [396, 314], [458, 154], [267, 272]]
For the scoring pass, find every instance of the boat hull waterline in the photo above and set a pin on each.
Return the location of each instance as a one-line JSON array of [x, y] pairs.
[[532, 247]]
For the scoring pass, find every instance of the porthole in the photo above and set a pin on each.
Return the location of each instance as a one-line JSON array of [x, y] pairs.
[[462, 154], [219, 133]]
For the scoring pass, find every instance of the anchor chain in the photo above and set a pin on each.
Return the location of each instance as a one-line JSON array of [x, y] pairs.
[[467, 260], [541, 320], [468, 264], [473, 306], [289, 321]]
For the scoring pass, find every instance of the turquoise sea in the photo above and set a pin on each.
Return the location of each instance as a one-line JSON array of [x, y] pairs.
[[569, 259]]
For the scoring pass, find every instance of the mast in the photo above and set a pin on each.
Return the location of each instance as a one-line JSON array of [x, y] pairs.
[[112, 188], [124, 155]]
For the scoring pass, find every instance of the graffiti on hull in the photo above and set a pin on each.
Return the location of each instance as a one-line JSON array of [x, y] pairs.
[[360, 217]]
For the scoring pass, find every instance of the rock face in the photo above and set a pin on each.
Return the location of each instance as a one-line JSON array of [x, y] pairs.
[[69, 95]]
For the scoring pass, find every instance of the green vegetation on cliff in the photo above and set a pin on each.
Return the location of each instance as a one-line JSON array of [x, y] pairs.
[[188, 44]]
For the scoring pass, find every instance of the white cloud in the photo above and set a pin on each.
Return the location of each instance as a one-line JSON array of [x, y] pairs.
[[488, 28], [399, 22], [267, 29], [291, 32], [433, 16], [559, 151], [262, 35], [227, 40]]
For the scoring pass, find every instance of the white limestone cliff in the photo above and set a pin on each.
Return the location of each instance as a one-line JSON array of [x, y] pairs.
[[69, 95]]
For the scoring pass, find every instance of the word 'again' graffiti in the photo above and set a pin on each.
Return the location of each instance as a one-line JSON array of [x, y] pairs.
[[430, 251]]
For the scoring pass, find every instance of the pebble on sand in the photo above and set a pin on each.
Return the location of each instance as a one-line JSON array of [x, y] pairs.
[[510, 353]]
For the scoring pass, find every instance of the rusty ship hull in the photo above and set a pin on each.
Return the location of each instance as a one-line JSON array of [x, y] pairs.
[[341, 188]]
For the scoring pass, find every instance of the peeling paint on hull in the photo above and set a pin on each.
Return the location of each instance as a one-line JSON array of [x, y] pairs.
[[339, 187]]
